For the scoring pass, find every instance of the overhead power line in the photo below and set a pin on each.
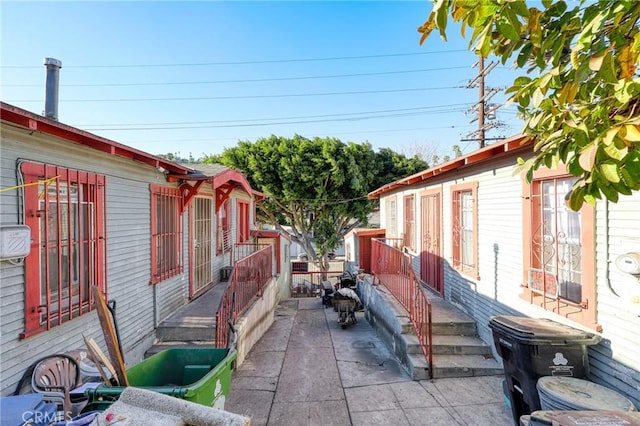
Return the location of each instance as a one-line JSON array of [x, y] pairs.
[[254, 124], [215, 139], [248, 62], [255, 80], [291, 95], [246, 120]]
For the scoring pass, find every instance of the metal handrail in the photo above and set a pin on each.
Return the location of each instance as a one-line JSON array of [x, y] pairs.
[[394, 270], [247, 281]]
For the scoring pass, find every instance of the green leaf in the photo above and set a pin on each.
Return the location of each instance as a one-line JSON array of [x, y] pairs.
[[576, 198], [508, 30], [633, 164], [574, 167], [610, 172], [614, 152], [520, 8], [621, 187], [609, 192], [537, 98], [588, 157], [524, 55], [631, 181], [442, 15], [607, 70], [583, 72], [589, 198]]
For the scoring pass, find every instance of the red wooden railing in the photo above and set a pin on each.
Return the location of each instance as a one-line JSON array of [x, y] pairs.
[[248, 278], [393, 269]]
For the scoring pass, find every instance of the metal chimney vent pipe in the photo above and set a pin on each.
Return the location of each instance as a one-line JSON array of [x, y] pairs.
[[51, 88]]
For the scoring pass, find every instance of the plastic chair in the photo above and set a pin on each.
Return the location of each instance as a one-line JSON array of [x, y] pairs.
[[54, 377]]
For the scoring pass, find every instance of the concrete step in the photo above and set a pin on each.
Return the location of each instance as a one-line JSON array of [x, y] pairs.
[[457, 328], [459, 345], [187, 329], [418, 368], [160, 346], [465, 366]]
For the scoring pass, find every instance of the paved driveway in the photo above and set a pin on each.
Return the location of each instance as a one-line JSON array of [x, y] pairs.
[[306, 370]]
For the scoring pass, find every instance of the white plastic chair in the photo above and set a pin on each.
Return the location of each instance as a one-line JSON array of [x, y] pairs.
[[54, 377]]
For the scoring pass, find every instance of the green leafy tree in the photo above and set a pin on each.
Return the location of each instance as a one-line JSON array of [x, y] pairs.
[[317, 186], [580, 95], [392, 166]]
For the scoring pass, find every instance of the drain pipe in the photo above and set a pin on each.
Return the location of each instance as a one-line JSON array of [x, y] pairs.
[[51, 88]]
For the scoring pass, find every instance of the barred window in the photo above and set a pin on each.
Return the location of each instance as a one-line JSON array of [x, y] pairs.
[[65, 210], [166, 233], [224, 227], [559, 249]]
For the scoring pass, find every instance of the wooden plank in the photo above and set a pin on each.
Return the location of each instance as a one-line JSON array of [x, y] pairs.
[[99, 359], [110, 336]]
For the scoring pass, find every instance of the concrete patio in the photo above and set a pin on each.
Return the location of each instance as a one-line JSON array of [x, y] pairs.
[[306, 370]]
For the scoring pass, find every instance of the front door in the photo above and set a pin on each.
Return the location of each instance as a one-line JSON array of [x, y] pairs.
[[202, 244], [431, 267]]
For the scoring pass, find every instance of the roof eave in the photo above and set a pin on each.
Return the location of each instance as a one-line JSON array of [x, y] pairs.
[[487, 153]]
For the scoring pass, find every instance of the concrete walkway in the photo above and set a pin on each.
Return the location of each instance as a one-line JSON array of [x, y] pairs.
[[306, 370]]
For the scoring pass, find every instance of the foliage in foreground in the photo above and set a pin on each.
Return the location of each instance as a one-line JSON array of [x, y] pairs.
[[580, 95]]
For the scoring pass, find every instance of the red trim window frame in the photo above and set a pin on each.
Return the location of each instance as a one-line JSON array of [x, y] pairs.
[[409, 239], [166, 233], [391, 217], [559, 249], [65, 210], [223, 220], [464, 228], [244, 229]]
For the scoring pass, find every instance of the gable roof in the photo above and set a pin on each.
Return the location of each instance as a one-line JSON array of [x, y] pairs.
[[220, 175], [23, 118], [484, 155], [217, 174]]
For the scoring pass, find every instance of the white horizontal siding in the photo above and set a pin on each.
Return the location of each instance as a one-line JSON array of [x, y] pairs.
[[614, 362], [128, 252]]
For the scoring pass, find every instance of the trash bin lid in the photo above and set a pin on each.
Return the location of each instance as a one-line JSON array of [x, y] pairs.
[[536, 330], [570, 393]]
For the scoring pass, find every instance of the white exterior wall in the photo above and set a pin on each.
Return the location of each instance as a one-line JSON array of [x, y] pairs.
[[128, 251], [618, 295], [614, 362]]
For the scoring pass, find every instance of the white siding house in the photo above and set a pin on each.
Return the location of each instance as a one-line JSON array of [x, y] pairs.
[[493, 244], [147, 231]]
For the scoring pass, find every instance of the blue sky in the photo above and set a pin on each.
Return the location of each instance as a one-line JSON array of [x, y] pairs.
[[196, 77]]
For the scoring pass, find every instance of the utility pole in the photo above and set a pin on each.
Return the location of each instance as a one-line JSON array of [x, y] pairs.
[[482, 108]]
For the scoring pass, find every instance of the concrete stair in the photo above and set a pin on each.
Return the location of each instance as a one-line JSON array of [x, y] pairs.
[[193, 325], [457, 351]]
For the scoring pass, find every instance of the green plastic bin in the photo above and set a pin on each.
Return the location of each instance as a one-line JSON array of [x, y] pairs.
[[200, 375]]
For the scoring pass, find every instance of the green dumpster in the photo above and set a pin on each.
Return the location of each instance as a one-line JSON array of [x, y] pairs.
[[200, 375]]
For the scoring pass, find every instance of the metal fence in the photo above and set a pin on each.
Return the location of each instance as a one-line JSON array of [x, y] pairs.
[[248, 278], [393, 269], [307, 277], [242, 250]]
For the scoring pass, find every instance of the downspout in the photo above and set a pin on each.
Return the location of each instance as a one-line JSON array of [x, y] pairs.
[[155, 307], [606, 246]]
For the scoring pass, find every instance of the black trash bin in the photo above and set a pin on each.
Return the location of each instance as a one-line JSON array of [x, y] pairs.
[[534, 347]]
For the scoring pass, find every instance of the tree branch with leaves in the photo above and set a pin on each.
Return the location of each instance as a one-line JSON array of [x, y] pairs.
[[580, 96]]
